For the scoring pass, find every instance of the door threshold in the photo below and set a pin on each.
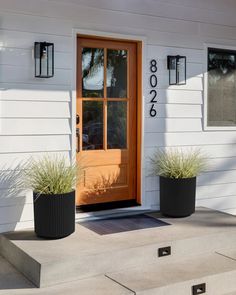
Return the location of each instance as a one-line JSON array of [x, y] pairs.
[[118, 212], [106, 206]]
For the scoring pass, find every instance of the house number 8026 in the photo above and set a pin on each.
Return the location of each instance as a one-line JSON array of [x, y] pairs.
[[153, 83]]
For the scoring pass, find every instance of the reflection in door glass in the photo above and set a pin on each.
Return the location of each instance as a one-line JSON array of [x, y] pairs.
[[93, 72], [116, 73], [92, 125], [116, 124]]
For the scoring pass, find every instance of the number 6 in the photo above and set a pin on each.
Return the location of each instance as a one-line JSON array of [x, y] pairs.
[[153, 112]]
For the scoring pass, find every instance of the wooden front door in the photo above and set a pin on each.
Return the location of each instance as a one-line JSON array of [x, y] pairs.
[[106, 120]]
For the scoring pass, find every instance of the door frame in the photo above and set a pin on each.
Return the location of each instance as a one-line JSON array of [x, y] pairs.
[[141, 65]]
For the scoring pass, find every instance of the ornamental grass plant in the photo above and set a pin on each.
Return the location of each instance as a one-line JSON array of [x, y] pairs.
[[175, 163], [51, 175]]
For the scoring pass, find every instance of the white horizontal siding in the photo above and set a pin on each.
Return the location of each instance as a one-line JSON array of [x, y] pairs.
[[219, 177], [188, 9], [225, 204], [199, 11], [24, 58], [210, 151], [6, 227], [36, 109], [12, 214], [175, 111], [10, 162], [193, 83], [192, 69], [12, 198], [34, 126], [40, 24], [197, 138], [35, 24], [21, 39], [33, 92], [13, 74], [173, 125], [176, 96], [13, 144], [35, 114], [206, 179], [160, 52], [216, 190]]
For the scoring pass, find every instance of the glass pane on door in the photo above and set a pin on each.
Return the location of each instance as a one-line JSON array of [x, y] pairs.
[[116, 124], [92, 72], [116, 73], [92, 125]]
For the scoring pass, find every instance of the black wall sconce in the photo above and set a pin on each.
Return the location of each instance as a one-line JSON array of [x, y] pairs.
[[44, 59], [177, 69]]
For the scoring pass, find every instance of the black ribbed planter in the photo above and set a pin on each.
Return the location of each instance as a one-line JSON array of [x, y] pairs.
[[177, 196], [54, 215]]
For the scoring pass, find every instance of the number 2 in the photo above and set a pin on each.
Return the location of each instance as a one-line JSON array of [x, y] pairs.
[[154, 92]]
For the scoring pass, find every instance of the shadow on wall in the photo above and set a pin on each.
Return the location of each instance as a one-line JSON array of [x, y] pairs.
[[12, 198], [179, 123], [34, 119], [179, 108]]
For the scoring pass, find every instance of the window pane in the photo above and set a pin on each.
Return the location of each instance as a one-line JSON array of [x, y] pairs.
[[116, 124], [92, 125], [93, 72], [116, 73], [221, 87]]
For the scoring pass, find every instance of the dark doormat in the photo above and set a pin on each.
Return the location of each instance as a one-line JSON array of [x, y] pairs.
[[122, 224]]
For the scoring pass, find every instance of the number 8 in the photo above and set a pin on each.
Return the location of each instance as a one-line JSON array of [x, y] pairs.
[[153, 66]]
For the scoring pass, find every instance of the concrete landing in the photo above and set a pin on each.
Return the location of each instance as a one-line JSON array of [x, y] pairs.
[[86, 254]]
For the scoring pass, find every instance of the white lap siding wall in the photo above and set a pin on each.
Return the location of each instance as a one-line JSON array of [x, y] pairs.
[[36, 114]]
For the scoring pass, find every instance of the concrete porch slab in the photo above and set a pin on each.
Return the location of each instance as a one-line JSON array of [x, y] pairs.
[[85, 253]]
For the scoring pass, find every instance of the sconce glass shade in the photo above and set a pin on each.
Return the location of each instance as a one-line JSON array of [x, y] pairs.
[[177, 69], [44, 59]]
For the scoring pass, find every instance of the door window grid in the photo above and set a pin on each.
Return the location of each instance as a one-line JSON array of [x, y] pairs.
[[115, 138]]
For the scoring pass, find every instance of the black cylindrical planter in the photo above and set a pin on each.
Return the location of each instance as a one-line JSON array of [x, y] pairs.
[[177, 196], [54, 215]]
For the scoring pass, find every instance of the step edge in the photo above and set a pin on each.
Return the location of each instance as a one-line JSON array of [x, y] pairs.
[[22, 261]]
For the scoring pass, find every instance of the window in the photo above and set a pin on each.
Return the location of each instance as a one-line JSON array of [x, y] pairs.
[[221, 83]]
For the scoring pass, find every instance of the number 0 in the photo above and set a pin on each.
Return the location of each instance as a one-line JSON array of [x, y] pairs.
[[153, 81]]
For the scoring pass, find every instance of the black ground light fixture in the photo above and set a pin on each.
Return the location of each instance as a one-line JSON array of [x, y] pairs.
[[177, 69], [44, 59]]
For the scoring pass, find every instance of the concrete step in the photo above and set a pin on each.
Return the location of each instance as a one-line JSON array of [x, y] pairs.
[[215, 271], [100, 285], [10, 278], [14, 283], [85, 253]]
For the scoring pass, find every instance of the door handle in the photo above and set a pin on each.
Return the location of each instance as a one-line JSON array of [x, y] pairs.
[[77, 119], [77, 140]]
